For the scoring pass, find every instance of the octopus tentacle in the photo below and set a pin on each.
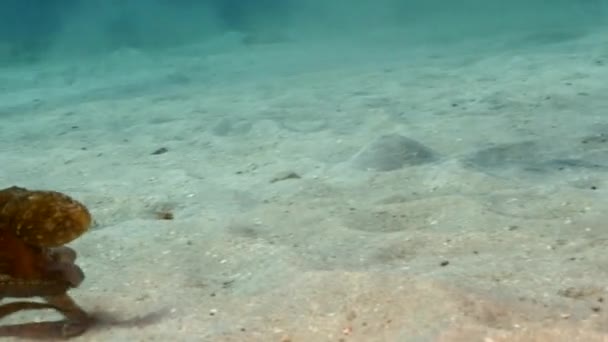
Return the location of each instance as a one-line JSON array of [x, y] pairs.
[[10, 308]]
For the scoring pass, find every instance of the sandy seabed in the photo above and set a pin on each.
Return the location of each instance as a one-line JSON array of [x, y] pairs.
[[276, 236]]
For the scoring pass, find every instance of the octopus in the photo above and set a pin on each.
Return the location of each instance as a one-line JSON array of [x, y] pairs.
[[34, 261]]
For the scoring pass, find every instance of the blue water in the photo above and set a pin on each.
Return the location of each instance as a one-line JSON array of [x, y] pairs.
[[29, 28]]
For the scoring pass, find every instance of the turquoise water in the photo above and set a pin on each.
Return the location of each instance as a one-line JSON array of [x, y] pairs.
[[30, 29]]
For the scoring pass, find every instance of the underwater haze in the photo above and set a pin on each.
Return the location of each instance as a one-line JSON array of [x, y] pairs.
[[308, 170], [32, 28]]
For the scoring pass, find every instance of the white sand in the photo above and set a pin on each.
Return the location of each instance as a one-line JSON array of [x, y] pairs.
[[339, 254]]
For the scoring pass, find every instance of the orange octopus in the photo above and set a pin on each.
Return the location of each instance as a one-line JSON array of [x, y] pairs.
[[34, 226]]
